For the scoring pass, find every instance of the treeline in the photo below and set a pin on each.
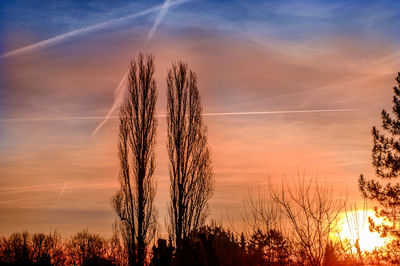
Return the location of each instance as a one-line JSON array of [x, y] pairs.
[[293, 226], [208, 245], [83, 248]]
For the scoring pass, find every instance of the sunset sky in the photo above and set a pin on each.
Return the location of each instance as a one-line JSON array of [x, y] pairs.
[[61, 62]]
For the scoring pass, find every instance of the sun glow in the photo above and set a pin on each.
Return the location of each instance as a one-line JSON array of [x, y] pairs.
[[355, 226]]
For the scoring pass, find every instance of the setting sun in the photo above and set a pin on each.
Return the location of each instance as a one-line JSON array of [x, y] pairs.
[[354, 225]]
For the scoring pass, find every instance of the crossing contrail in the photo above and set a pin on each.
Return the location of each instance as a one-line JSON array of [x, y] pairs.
[[61, 37], [120, 91], [70, 118], [159, 18]]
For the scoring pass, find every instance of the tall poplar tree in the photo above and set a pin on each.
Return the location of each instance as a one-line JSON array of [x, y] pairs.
[[189, 155], [133, 203]]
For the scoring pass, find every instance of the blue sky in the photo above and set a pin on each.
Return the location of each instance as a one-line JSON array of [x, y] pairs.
[[289, 20]]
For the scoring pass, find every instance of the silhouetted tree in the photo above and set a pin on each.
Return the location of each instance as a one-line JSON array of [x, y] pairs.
[[261, 212], [266, 245], [386, 160], [86, 248], [270, 248], [117, 253], [25, 249], [133, 203], [312, 214], [39, 249], [48, 249], [83, 248], [17, 249], [189, 155]]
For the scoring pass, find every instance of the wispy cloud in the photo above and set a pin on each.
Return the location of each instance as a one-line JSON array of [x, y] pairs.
[[55, 186], [74, 33], [49, 119], [17, 200]]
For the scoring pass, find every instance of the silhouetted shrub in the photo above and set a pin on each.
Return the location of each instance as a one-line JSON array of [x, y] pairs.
[[210, 245], [270, 248], [162, 254]]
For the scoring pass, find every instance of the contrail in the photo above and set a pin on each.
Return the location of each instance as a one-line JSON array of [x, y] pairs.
[[120, 91], [61, 37], [49, 119], [119, 96], [62, 191], [159, 18], [30, 188], [280, 112], [59, 196]]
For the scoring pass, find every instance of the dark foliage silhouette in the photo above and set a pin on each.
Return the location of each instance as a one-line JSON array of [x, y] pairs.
[[386, 160], [189, 155], [133, 203], [210, 245], [270, 248], [162, 254]]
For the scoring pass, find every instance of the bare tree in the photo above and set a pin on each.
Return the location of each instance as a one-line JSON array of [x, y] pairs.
[[48, 249], [189, 155], [262, 217], [133, 203], [261, 212], [312, 214], [37, 249], [85, 248]]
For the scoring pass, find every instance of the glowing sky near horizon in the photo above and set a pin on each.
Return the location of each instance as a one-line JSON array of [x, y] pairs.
[[250, 57]]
